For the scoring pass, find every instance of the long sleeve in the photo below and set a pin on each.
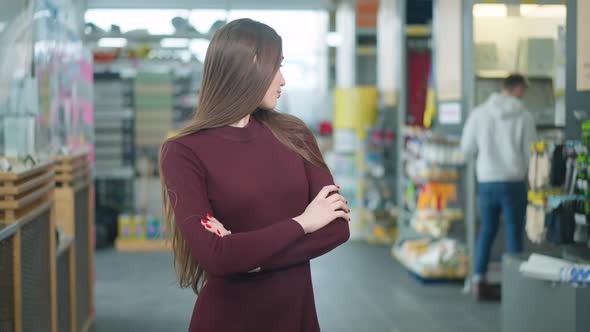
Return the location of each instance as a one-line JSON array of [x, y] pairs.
[[469, 137], [320, 242], [186, 183]]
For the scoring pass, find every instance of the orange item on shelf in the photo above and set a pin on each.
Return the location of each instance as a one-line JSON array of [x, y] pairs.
[[437, 195]]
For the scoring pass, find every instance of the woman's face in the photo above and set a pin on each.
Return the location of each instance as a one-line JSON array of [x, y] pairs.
[[269, 102]]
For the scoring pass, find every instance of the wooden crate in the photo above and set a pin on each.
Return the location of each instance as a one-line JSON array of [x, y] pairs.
[[75, 217], [28, 213], [72, 170]]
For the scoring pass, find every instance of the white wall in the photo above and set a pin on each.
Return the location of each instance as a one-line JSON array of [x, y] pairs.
[[506, 32]]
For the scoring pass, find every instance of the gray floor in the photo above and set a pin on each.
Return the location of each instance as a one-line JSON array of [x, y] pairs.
[[358, 288]]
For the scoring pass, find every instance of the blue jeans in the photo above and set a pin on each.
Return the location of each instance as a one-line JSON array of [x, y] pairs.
[[510, 199]]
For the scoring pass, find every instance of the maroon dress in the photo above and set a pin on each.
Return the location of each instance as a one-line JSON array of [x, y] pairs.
[[254, 185]]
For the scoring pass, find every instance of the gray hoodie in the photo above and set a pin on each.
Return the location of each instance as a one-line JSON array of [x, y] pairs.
[[499, 132]]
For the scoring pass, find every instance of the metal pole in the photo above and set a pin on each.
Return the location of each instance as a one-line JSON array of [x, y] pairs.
[[468, 93], [401, 77], [346, 56]]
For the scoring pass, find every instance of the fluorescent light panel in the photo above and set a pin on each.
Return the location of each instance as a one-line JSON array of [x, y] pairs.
[[174, 43], [501, 10], [557, 11], [490, 10], [112, 42]]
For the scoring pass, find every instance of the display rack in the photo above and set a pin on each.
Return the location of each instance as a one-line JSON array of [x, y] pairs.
[[28, 278], [114, 125], [75, 217], [431, 229], [187, 84], [115, 153], [154, 102]]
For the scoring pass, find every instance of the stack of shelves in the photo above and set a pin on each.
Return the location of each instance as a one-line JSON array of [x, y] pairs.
[[154, 101], [186, 93], [114, 126], [115, 151], [431, 239]]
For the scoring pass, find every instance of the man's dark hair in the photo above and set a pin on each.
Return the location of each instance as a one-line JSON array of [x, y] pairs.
[[513, 81]]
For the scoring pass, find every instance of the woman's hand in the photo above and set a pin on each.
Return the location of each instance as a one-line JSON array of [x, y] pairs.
[[323, 210], [214, 226]]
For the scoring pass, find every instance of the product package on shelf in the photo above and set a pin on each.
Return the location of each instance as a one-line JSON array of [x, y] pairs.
[[137, 232], [433, 259], [556, 270]]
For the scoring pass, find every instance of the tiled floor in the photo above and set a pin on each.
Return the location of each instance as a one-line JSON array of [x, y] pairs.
[[358, 288]]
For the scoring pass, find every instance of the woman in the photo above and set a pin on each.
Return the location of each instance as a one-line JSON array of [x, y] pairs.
[[241, 166]]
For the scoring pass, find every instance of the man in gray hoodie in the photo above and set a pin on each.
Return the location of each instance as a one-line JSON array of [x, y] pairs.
[[499, 134]]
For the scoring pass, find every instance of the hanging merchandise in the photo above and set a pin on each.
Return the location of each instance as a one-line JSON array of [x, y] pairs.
[[535, 223], [431, 100], [558, 166], [560, 222], [539, 167]]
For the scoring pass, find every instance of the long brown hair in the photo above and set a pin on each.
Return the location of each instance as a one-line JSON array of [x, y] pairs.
[[240, 65]]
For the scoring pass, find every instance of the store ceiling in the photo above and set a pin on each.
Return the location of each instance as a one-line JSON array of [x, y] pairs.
[[212, 4]]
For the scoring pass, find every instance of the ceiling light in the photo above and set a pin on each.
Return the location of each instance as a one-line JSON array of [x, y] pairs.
[[112, 42], [175, 42], [490, 10], [543, 11]]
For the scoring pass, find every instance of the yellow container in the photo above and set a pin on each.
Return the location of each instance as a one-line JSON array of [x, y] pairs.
[[138, 222], [125, 227], [355, 108]]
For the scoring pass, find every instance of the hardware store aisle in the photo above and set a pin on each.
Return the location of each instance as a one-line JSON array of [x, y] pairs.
[[358, 288]]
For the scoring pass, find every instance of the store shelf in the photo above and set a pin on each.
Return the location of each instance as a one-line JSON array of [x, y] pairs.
[[415, 30], [111, 115], [426, 180], [414, 269], [142, 245], [121, 173], [146, 37]]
